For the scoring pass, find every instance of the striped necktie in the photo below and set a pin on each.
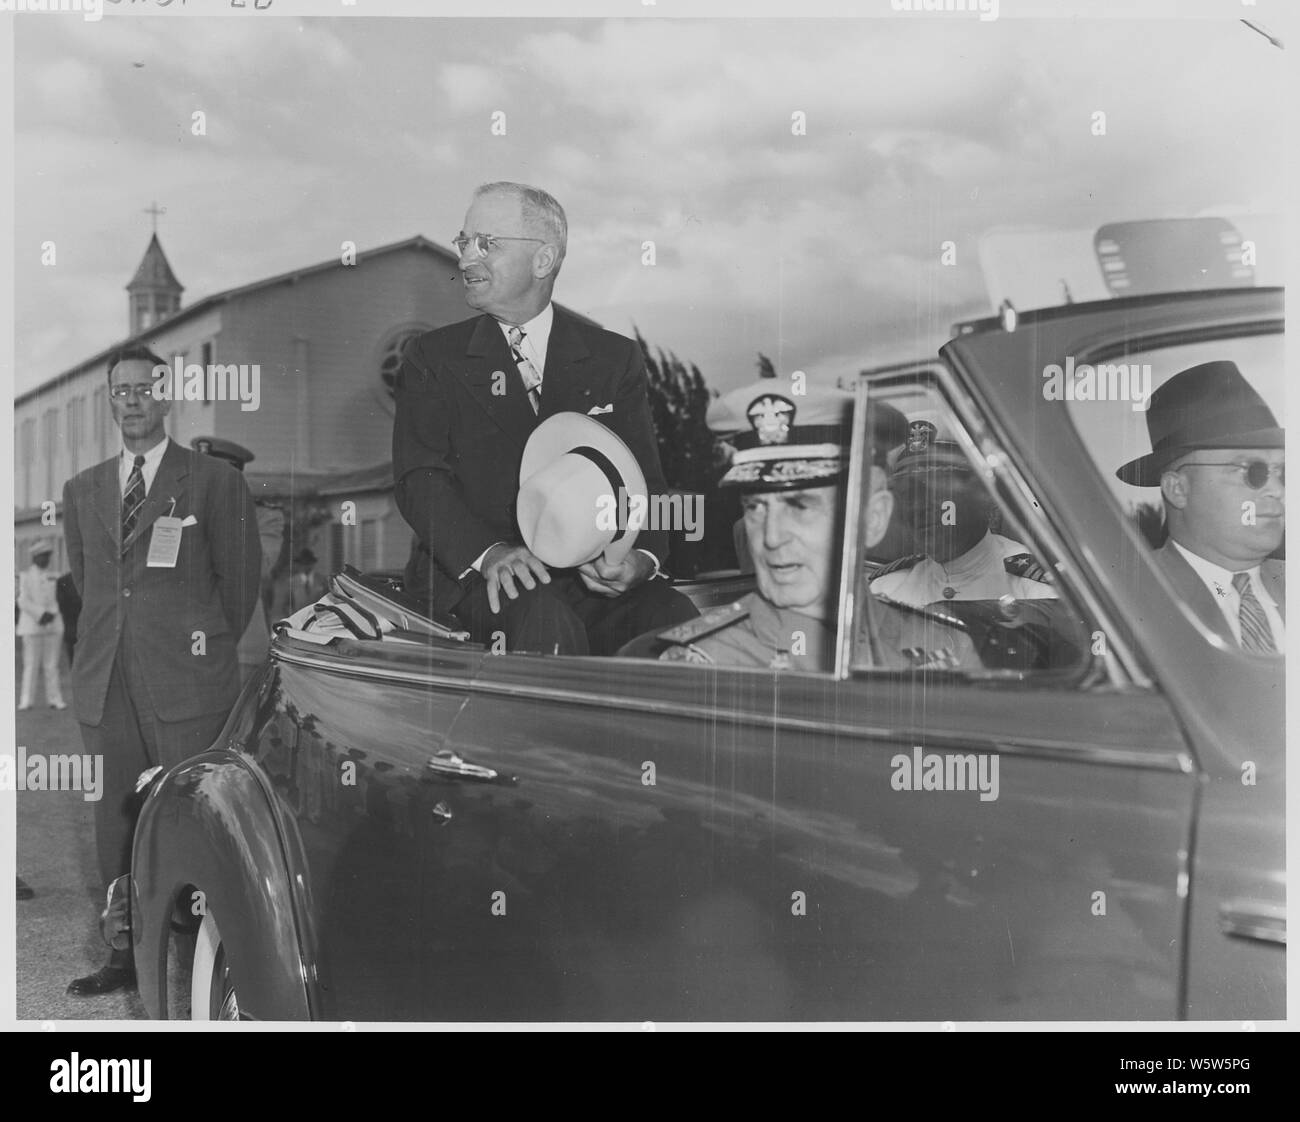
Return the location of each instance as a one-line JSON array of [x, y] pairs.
[[132, 499], [532, 379], [1256, 635]]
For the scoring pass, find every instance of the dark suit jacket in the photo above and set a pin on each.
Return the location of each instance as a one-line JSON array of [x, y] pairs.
[[1193, 592], [213, 587], [472, 440]]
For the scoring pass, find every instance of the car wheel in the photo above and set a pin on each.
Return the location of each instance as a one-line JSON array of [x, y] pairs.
[[212, 986]]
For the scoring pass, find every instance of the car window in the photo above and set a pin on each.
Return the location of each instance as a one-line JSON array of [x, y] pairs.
[[1106, 404], [949, 579]]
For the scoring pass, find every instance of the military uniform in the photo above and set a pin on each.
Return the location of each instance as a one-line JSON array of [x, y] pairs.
[[994, 568], [751, 632]]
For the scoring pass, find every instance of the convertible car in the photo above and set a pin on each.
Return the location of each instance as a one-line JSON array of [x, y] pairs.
[[398, 825]]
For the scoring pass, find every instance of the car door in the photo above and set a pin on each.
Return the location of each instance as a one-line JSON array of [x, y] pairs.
[[677, 842], [346, 740], [1229, 704]]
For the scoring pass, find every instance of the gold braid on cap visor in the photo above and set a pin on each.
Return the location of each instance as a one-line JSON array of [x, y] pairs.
[[784, 473]]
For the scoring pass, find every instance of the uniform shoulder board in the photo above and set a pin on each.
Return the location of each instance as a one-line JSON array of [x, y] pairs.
[[1023, 565], [899, 565], [715, 619]]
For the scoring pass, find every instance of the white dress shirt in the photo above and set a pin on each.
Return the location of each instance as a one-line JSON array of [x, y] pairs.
[[537, 337], [152, 459], [1219, 581]]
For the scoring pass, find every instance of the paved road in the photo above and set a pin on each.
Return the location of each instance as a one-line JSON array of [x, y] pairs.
[[58, 931]]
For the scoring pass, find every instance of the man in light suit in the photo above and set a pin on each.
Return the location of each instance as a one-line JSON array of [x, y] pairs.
[[469, 395], [1217, 456], [163, 548]]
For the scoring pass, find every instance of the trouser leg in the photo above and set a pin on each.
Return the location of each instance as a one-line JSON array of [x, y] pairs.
[[123, 755], [612, 622], [50, 666], [540, 619], [31, 665]]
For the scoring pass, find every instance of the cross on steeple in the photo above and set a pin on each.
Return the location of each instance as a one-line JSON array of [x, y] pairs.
[[154, 210]]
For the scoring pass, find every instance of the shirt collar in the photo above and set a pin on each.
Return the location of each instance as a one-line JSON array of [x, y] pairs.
[[152, 458], [983, 555], [537, 330]]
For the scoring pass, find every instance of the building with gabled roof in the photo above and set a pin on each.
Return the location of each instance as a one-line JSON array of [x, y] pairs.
[[326, 342]]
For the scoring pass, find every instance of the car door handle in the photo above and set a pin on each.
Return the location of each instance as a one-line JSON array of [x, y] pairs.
[[446, 764], [1249, 919]]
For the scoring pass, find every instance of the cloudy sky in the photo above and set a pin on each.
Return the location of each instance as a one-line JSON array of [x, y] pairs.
[[821, 250]]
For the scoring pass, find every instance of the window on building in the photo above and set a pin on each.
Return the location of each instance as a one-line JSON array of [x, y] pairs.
[[103, 420], [76, 433], [370, 551], [26, 458], [207, 360], [50, 450]]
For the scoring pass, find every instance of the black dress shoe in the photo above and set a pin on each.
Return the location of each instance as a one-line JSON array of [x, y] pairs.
[[24, 890], [108, 979]]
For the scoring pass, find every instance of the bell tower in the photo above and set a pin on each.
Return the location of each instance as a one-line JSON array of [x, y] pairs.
[[154, 292]]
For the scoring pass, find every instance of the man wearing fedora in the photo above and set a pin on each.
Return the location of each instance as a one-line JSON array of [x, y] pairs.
[[789, 469], [1217, 457], [468, 398], [163, 548], [41, 627]]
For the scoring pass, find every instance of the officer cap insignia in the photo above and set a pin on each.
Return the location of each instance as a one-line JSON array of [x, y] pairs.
[[771, 417], [920, 435]]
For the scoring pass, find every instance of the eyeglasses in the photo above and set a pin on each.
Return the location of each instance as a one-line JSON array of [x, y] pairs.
[[485, 243], [1255, 472], [140, 389]]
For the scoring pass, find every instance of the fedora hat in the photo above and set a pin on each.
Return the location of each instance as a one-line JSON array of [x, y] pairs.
[[1205, 406], [573, 477]]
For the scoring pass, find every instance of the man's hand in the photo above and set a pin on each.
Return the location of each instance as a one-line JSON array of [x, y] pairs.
[[505, 564], [613, 580]]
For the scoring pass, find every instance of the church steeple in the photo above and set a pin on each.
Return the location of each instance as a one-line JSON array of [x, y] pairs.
[[155, 293]]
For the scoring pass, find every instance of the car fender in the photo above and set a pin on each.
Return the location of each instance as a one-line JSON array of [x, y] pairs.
[[210, 839]]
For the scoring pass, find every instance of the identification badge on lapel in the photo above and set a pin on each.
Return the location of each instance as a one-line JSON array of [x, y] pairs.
[[164, 543]]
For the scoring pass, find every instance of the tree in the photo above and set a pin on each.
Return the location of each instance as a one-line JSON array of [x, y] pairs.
[[765, 367], [1150, 521], [679, 403]]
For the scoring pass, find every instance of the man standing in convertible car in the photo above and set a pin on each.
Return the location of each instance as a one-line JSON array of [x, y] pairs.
[[163, 548], [1217, 455], [469, 395]]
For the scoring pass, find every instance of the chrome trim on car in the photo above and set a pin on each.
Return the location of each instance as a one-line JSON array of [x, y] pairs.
[[1250, 919], [1042, 747]]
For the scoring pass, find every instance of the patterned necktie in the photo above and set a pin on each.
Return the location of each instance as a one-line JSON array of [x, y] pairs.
[[532, 379], [132, 499], [1256, 635]]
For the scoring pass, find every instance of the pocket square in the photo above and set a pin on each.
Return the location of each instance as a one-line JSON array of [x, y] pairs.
[[597, 410]]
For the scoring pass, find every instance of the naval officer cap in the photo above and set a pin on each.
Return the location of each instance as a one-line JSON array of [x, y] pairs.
[[925, 451], [788, 437], [227, 450]]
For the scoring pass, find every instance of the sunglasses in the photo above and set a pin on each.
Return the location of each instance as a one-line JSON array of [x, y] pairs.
[[1255, 472]]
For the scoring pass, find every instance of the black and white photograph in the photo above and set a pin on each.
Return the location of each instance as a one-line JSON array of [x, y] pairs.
[[646, 518]]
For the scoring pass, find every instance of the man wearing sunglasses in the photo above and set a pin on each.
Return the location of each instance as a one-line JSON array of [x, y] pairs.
[[1217, 457], [468, 397]]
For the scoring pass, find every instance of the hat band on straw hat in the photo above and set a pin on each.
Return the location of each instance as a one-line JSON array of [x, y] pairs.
[[610, 472]]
